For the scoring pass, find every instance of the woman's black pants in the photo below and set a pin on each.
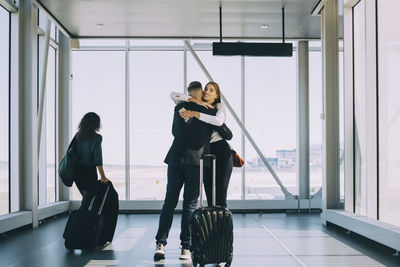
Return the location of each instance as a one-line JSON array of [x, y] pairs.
[[86, 178], [222, 152]]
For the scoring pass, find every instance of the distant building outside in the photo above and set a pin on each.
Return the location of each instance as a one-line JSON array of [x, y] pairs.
[[287, 158]]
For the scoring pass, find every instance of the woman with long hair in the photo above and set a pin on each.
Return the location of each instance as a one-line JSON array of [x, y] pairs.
[[218, 145], [90, 157]]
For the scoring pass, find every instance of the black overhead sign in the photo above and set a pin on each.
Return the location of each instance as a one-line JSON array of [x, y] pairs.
[[253, 49]]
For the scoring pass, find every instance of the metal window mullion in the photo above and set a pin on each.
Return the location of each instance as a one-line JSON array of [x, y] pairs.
[[56, 192], [9, 6], [127, 125], [185, 70], [243, 116], [39, 5], [9, 113], [156, 48], [15, 92], [377, 109]]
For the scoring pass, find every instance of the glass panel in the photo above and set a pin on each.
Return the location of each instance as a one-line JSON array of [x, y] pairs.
[[42, 21], [271, 120], [42, 196], [50, 114], [4, 110], [101, 42], [389, 111], [341, 120], [315, 45], [47, 159], [154, 42], [53, 31], [153, 76], [99, 86], [315, 82], [315, 102], [360, 129], [226, 71]]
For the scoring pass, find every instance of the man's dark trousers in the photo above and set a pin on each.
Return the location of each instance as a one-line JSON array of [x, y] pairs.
[[179, 175], [191, 141]]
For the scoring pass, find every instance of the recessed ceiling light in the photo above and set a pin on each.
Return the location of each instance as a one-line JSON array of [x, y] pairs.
[[99, 25], [264, 26]]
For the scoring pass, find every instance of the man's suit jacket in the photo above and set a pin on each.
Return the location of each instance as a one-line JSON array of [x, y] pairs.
[[191, 140]]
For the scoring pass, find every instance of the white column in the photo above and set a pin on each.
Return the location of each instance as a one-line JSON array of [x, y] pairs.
[[16, 94], [28, 166], [303, 132], [330, 50], [64, 107], [348, 109]]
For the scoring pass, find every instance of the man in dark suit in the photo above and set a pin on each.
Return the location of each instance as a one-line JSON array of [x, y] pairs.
[[191, 142]]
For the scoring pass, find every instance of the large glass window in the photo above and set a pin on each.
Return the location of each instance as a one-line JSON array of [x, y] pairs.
[[98, 85], [341, 120], [47, 157], [315, 110], [153, 76], [226, 71], [389, 110], [101, 42], [51, 89], [271, 120], [4, 109], [270, 111], [315, 102], [360, 129]]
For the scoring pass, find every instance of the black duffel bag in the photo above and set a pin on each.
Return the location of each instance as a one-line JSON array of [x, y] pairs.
[[67, 166]]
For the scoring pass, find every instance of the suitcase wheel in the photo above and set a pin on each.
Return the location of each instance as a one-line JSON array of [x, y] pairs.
[[67, 245]]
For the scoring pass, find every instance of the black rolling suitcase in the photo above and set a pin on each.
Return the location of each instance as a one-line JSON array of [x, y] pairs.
[[84, 227], [212, 229], [109, 211]]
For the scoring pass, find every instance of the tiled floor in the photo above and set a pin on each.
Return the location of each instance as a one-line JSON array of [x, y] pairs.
[[259, 240]]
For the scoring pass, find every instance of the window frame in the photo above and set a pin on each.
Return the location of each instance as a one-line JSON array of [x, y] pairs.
[[9, 109]]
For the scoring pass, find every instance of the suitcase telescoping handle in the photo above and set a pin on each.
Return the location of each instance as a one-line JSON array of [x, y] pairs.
[[102, 202], [214, 166]]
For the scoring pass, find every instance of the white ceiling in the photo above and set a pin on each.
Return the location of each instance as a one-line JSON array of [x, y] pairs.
[[186, 18]]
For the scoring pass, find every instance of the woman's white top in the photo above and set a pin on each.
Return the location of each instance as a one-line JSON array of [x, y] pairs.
[[216, 120]]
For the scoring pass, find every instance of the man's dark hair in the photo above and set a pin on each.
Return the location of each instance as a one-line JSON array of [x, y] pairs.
[[194, 86]]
